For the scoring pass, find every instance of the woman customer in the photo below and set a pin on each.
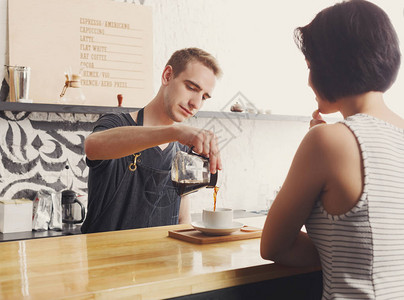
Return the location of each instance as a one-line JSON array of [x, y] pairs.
[[346, 182]]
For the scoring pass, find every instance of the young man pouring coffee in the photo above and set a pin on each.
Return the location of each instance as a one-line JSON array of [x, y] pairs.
[[130, 154]]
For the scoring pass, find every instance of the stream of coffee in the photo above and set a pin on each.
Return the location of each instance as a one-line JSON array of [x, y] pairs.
[[215, 190]]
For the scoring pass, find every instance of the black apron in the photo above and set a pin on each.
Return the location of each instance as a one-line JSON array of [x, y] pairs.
[[143, 194]]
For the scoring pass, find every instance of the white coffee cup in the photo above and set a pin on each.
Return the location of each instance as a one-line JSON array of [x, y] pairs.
[[219, 219]]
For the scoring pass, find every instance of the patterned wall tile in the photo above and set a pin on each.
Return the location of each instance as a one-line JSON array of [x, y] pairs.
[[43, 151]]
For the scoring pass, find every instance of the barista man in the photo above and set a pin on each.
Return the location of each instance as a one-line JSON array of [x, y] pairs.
[[129, 154]]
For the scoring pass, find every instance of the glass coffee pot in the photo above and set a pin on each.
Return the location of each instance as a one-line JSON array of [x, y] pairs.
[[69, 199], [72, 92], [190, 172]]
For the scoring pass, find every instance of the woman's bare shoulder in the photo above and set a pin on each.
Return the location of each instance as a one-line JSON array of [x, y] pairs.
[[330, 144], [330, 135]]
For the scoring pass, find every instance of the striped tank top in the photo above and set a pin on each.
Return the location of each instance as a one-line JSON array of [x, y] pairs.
[[362, 251]]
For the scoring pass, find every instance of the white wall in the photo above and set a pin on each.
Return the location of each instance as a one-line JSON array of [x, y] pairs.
[[253, 41], [255, 162], [3, 37]]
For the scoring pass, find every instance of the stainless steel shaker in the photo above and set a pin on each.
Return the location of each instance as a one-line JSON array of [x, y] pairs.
[[22, 77], [18, 79]]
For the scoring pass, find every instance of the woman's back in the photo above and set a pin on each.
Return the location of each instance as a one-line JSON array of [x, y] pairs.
[[362, 251]]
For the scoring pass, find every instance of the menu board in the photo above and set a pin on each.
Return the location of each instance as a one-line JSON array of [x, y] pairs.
[[108, 43]]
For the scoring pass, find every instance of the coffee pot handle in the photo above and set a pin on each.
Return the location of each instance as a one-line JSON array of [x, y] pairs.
[[213, 177], [83, 211], [191, 151]]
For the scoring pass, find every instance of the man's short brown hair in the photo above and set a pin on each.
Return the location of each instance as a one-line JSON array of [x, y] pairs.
[[181, 58]]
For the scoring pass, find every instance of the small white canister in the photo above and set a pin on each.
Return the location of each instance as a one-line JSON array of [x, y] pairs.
[[15, 215]]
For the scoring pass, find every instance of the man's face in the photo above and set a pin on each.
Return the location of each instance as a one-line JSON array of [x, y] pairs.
[[184, 95]]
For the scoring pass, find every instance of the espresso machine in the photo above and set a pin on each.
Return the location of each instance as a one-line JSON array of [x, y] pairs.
[[69, 200]]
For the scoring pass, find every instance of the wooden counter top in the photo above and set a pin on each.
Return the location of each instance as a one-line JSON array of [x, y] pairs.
[[134, 264]]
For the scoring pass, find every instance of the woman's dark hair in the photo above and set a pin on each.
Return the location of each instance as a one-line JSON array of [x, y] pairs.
[[352, 48]]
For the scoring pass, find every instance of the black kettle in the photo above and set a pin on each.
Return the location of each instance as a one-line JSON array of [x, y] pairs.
[[69, 198]]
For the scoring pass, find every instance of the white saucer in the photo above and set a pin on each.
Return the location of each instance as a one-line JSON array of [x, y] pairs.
[[217, 231]]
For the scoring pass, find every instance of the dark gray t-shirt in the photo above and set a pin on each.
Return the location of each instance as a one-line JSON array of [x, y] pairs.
[[120, 198]]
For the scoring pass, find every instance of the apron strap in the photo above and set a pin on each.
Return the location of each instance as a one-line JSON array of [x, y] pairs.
[[139, 118], [139, 122]]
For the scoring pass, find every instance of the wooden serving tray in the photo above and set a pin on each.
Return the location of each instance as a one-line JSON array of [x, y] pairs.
[[197, 237]]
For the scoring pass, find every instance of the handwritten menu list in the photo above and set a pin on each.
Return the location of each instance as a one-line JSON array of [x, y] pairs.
[[108, 42], [115, 61]]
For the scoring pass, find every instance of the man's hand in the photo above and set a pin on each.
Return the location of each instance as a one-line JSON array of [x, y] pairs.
[[317, 119], [204, 142]]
